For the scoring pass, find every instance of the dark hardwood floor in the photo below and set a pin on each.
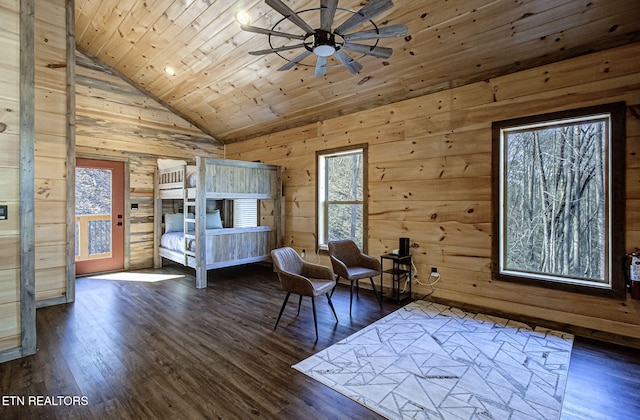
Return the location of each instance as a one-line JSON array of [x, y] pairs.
[[603, 382], [163, 349]]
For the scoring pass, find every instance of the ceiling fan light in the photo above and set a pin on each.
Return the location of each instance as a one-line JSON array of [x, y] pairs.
[[324, 50]]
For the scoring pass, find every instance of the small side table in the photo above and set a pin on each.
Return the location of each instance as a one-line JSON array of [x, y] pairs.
[[400, 269]]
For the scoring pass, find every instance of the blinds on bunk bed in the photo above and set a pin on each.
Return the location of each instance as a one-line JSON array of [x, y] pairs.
[[245, 213]]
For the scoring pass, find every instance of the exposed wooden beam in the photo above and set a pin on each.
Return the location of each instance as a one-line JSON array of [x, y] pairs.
[[27, 177], [71, 150]]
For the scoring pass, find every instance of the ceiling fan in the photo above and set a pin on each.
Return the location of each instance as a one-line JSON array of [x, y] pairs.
[[327, 41]]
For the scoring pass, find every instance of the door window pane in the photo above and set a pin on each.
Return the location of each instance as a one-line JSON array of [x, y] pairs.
[[93, 213]]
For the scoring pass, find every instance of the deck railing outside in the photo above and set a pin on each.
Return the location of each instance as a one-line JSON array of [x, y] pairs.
[[93, 236]]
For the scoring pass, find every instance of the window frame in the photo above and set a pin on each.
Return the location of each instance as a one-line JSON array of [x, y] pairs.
[[322, 202], [614, 207]]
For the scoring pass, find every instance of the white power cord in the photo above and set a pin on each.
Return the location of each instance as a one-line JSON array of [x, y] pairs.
[[409, 277], [433, 278]]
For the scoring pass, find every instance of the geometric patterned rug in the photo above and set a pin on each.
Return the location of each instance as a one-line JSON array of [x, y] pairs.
[[430, 361]]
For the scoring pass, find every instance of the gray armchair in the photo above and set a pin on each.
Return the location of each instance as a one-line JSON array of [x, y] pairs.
[[350, 263], [302, 278]]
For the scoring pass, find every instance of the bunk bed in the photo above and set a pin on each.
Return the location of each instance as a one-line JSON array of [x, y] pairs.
[[200, 197]]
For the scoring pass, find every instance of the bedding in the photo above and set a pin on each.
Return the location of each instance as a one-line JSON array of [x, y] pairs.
[[173, 238], [174, 222], [174, 241], [213, 220]]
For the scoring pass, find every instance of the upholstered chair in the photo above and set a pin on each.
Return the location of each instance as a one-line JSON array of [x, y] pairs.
[[352, 264], [302, 278]]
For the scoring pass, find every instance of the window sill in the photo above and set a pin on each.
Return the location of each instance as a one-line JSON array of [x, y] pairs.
[[607, 292]]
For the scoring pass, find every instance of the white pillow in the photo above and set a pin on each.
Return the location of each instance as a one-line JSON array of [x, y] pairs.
[[170, 163], [213, 220], [174, 222]]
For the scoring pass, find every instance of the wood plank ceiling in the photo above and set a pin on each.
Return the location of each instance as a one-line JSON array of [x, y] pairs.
[[232, 95]]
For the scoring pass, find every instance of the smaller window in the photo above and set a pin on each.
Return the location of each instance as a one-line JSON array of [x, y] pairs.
[[341, 194]]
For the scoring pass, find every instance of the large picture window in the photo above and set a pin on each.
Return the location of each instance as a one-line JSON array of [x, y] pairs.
[[342, 192], [558, 196]]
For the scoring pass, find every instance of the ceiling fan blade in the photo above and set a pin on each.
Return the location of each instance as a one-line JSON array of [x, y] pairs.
[[295, 61], [386, 32], [285, 11], [321, 66], [327, 13], [380, 52], [372, 9], [272, 50], [257, 30], [351, 65]]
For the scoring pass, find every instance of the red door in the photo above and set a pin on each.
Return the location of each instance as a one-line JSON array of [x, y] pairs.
[[99, 215]]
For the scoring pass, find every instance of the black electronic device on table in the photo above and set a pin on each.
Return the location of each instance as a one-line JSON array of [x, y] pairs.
[[403, 249]]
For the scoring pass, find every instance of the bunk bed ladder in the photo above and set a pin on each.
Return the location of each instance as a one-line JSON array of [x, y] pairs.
[[189, 208]]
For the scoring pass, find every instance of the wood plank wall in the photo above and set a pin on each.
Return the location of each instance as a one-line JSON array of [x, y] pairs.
[[10, 174], [51, 149], [116, 121], [430, 180]]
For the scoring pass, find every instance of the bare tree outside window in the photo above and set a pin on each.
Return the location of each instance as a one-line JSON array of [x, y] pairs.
[[555, 199], [341, 193], [554, 192], [344, 201]]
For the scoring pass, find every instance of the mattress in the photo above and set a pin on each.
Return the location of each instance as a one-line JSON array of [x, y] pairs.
[[174, 241]]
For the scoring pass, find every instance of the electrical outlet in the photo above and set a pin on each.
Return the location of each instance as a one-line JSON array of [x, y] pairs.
[[303, 254], [434, 272]]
